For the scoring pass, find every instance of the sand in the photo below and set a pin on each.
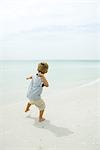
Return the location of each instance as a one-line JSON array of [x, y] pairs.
[[72, 122]]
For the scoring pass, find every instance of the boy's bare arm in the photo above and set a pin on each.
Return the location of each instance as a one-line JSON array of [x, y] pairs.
[[29, 78], [44, 80]]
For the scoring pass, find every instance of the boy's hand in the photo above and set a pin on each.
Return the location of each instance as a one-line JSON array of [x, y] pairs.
[[29, 78]]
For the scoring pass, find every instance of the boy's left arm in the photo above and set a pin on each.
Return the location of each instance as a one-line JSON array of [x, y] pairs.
[[29, 78]]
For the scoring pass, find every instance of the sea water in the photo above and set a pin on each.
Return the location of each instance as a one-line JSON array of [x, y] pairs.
[[62, 75]]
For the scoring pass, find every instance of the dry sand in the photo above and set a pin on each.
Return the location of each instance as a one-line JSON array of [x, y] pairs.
[[72, 122]]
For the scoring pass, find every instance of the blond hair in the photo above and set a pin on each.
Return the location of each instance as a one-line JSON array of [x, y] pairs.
[[43, 67]]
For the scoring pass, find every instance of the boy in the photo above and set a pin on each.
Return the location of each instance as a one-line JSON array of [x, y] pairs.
[[35, 89]]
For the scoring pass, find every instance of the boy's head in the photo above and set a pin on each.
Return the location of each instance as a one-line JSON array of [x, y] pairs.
[[43, 67]]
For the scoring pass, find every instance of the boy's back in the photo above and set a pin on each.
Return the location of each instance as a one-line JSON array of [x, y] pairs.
[[35, 88]]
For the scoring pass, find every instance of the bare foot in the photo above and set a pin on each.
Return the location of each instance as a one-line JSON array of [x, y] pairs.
[[27, 110], [41, 119]]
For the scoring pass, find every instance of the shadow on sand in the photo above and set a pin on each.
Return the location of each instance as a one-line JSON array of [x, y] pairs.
[[56, 130]]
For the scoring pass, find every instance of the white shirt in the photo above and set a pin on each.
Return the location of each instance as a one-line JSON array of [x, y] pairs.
[[35, 88]]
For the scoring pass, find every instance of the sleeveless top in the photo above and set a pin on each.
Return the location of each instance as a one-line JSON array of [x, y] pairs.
[[35, 88]]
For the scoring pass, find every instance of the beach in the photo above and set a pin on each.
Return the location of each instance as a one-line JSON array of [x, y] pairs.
[[72, 122], [72, 114], [63, 36]]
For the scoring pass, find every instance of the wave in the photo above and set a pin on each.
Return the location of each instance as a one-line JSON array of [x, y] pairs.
[[90, 83]]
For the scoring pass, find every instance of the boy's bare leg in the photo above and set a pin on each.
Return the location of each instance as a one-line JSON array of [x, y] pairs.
[[40, 116], [27, 107]]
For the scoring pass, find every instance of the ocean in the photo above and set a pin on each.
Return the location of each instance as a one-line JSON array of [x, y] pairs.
[[62, 75]]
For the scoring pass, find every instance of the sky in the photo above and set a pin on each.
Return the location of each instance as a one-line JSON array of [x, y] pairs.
[[49, 29]]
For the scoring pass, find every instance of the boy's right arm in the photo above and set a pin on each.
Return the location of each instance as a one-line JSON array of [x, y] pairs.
[[44, 80]]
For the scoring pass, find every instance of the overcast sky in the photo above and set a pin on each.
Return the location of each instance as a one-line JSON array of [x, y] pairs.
[[49, 29]]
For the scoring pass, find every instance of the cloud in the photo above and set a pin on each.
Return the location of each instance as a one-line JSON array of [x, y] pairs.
[[33, 26], [18, 15]]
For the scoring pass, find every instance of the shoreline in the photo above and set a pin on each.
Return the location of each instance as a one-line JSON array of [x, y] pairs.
[[95, 82]]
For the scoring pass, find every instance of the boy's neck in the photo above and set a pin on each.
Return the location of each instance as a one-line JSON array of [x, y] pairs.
[[38, 73]]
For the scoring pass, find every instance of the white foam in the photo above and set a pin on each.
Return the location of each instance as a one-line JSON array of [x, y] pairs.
[[90, 83]]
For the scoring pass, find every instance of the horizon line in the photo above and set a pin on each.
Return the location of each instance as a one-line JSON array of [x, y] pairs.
[[49, 59]]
